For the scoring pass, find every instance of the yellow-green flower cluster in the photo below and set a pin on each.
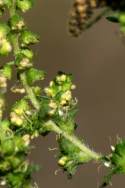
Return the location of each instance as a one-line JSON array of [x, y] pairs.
[[5, 74], [17, 115], [70, 162], [60, 94], [24, 5], [24, 59], [16, 22], [17, 88], [27, 37], [5, 45], [13, 149]]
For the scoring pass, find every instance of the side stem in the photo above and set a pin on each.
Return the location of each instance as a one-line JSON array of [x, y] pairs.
[[51, 126]]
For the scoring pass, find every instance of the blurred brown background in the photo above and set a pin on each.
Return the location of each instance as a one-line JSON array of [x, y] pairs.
[[96, 60]]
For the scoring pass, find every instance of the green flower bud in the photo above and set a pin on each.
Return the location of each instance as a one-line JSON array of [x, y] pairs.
[[15, 179], [8, 147], [34, 75], [4, 30], [27, 53], [23, 58], [26, 139], [20, 107], [35, 134], [50, 92], [61, 78], [67, 95], [24, 5], [23, 61], [115, 162], [16, 22], [118, 157], [15, 119], [28, 37], [7, 71], [17, 115], [62, 161], [4, 166], [36, 90], [15, 161], [53, 104], [21, 144], [52, 112], [5, 124], [5, 48]]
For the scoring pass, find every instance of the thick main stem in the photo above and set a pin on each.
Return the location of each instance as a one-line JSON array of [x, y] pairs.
[[16, 48], [51, 126]]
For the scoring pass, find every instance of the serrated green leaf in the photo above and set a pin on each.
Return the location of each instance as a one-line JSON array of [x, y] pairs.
[[7, 71], [25, 5]]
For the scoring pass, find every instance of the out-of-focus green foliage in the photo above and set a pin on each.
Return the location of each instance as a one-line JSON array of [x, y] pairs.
[[83, 16]]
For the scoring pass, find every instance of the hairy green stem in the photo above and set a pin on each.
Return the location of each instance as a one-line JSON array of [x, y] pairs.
[[13, 8], [29, 91], [16, 48], [51, 126]]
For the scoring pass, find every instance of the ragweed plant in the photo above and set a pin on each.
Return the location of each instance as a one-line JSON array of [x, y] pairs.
[[51, 109]]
